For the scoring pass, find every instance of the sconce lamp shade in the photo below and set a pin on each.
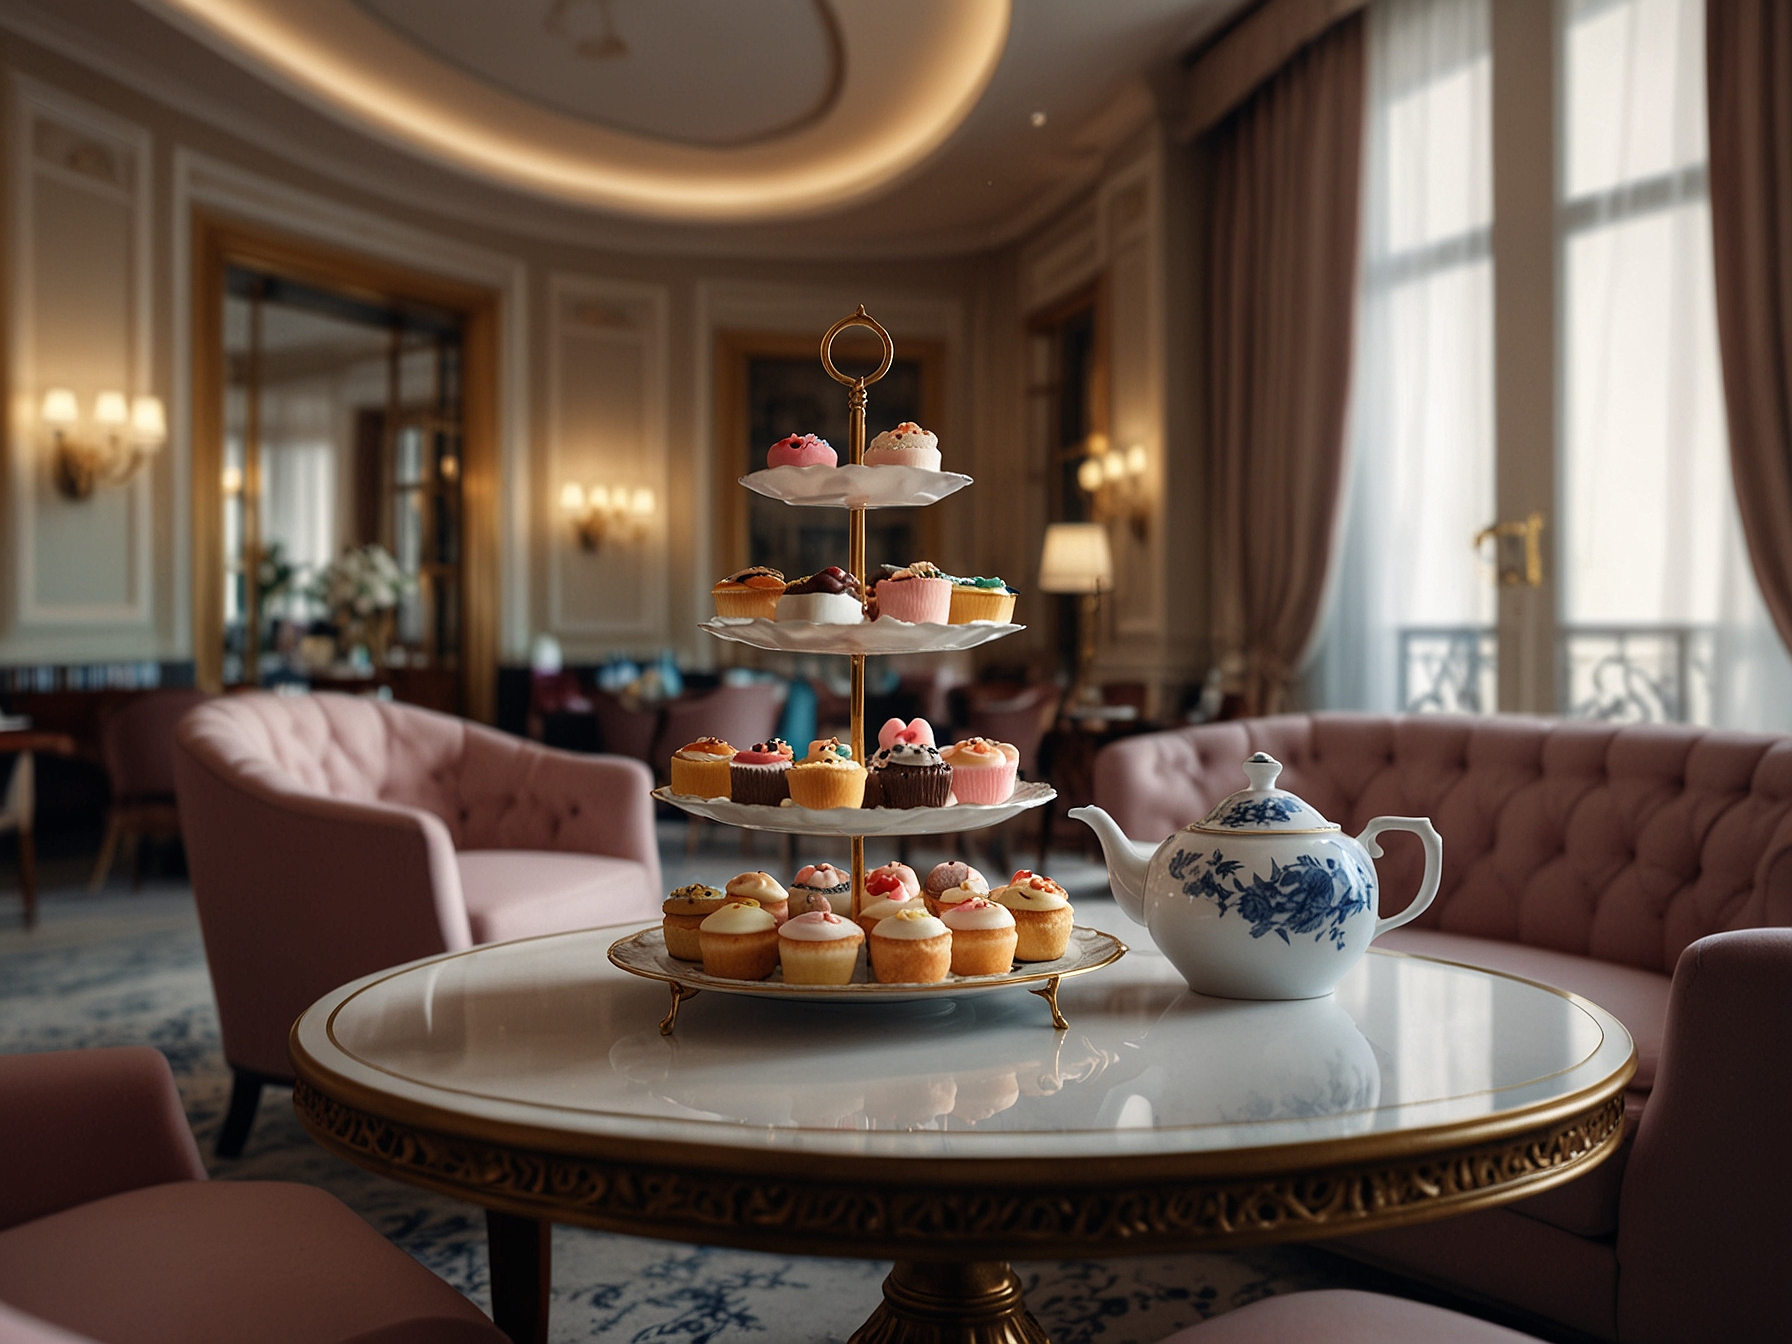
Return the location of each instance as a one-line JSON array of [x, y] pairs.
[[1076, 559], [60, 407], [149, 422], [572, 497], [112, 410]]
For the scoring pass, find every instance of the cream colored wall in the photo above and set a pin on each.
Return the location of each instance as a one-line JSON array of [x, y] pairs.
[[607, 370]]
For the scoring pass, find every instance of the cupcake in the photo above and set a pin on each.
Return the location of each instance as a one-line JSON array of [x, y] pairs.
[[1042, 915], [918, 593], [763, 888], [819, 949], [911, 947], [981, 600], [982, 770], [880, 884], [909, 774], [820, 886], [682, 912], [739, 942], [983, 937], [801, 450], [949, 877], [700, 769], [756, 775], [900, 871], [827, 777], [827, 597], [749, 592], [973, 888], [908, 445], [872, 912]]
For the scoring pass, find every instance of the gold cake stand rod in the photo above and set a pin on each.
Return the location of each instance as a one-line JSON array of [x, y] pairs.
[[855, 531]]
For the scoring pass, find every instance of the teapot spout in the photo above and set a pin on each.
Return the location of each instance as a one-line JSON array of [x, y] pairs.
[[1127, 861]]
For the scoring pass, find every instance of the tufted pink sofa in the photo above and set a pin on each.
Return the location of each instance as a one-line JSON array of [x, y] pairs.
[[330, 836], [109, 1229], [1648, 868]]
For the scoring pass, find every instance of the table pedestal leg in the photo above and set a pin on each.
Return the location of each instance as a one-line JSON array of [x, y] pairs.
[[521, 1254], [976, 1302]]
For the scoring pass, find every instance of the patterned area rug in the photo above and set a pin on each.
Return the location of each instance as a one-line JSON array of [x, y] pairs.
[[121, 969]]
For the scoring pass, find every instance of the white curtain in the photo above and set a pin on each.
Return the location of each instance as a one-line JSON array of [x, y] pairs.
[[1650, 533], [1421, 479]]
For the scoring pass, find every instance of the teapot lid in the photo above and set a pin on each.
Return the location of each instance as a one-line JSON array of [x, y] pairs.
[[1262, 807]]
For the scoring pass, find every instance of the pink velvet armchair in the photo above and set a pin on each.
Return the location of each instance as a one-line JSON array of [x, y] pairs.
[[331, 836], [110, 1231], [1648, 868]]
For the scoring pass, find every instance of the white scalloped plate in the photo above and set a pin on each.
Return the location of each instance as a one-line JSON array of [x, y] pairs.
[[855, 487], [863, 820], [645, 954], [884, 636]]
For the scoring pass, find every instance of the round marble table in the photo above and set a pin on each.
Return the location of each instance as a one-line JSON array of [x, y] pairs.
[[951, 1136]]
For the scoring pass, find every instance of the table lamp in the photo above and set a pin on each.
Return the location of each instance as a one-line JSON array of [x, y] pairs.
[[1076, 560]]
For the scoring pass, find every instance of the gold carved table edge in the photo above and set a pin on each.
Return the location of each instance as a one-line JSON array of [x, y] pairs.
[[919, 1209]]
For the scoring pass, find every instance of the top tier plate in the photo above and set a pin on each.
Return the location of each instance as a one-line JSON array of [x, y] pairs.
[[855, 487]]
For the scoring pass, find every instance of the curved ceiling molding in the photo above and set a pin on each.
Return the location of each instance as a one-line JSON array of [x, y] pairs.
[[908, 75]]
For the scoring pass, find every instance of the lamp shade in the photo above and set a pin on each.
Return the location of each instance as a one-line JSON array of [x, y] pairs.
[[111, 409], [1076, 559], [60, 407], [149, 422]]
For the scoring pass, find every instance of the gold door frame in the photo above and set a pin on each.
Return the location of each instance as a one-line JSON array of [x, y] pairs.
[[220, 242]]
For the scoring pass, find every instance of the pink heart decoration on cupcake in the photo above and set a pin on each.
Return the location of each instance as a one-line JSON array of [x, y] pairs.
[[895, 730]]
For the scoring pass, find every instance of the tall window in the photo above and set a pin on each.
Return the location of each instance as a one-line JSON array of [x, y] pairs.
[[1421, 477]]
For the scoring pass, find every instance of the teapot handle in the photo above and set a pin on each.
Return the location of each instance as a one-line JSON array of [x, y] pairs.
[[1434, 864]]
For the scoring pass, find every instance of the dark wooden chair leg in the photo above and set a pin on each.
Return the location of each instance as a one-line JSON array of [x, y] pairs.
[[28, 874], [521, 1255], [245, 1096]]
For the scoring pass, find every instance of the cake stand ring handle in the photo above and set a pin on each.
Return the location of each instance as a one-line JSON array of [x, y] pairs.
[[859, 319]]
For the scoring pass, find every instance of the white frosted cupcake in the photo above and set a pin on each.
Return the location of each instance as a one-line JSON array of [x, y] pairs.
[[911, 947], [1042, 915], [764, 888], [740, 942], [819, 949], [983, 937], [971, 889], [908, 445], [884, 907]]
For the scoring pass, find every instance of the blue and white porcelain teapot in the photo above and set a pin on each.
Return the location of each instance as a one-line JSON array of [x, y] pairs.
[[1262, 898]]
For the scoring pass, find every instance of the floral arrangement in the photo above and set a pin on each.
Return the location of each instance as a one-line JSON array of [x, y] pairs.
[[363, 581]]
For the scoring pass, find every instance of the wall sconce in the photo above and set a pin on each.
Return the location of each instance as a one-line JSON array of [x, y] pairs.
[[1115, 482], [129, 433], [619, 514]]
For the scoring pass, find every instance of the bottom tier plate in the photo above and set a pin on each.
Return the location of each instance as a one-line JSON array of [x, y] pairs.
[[863, 820], [645, 954]]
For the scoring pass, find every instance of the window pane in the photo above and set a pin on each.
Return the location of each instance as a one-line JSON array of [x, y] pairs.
[[1438, 183], [1633, 91]]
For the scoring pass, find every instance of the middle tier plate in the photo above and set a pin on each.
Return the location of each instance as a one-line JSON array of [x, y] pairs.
[[863, 820], [884, 636], [856, 486]]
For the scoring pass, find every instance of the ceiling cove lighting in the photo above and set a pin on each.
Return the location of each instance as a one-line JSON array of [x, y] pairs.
[[885, 121]]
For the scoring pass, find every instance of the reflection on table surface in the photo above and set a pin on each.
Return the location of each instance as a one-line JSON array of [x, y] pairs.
[[551, 1024]]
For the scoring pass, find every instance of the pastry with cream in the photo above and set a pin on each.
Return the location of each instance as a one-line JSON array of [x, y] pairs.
[[917, 593], [819, 948], [801, 450], [911, 947], [739, 941], [820, 882], [700, 768], [827, 777], [756, 773], [829, 596], [682, 912], [983, 770], [971, 888], [1042, 915], [945, 876], [761, 887], [901, 872], [908, 445], [749, 592], [981, 600], [983, 937], [881, 883], [873, 910]]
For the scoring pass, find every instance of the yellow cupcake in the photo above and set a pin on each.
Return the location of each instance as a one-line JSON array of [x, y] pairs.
[[827, 777], [981, 600], [749, 592], [700, 769]]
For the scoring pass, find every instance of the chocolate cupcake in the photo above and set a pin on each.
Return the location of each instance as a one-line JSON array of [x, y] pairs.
[[911, 774], [757, 775]]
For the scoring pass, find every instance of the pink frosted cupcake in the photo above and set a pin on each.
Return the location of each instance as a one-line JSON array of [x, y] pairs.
[[908, 445], [919, 593], [982, 770], [801, 450]]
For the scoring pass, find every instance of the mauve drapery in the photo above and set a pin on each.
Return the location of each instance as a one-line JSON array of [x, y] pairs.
[[1281, 271], [1748, 83]]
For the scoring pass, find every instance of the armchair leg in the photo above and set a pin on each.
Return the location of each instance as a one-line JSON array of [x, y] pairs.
[[245, 1097], [108, 851], [520, 1254]]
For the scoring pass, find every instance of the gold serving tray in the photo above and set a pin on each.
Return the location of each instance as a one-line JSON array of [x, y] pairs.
[[644, 954]]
